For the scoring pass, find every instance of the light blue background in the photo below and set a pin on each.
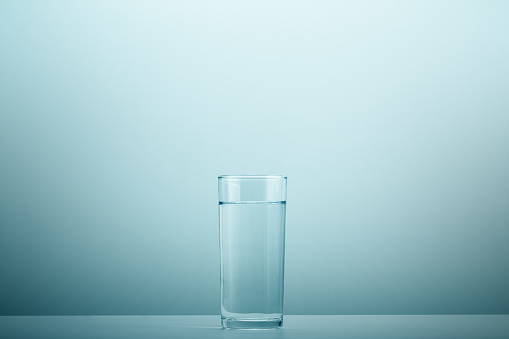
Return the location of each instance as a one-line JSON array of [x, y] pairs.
[[390, 119]]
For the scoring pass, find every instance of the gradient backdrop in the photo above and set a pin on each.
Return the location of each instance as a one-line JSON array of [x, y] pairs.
[[390, 119]]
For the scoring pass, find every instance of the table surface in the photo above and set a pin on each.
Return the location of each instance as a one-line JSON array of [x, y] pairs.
[[295, 326]]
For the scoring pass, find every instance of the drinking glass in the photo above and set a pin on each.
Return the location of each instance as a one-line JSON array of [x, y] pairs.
[[252, 212]]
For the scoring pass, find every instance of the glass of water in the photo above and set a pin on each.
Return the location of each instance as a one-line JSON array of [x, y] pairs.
[[252, 211]]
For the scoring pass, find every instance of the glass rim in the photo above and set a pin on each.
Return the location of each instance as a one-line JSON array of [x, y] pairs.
[[252, 176]]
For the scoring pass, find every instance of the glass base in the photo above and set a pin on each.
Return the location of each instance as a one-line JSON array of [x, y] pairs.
[[251, 324]]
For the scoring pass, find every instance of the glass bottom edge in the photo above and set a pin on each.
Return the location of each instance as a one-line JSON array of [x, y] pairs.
[[251, 324]]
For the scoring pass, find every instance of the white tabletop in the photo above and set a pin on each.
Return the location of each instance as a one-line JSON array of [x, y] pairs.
[[295, 326]]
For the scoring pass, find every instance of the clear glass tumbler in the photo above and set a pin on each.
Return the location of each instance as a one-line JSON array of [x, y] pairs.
[[252, 212]]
